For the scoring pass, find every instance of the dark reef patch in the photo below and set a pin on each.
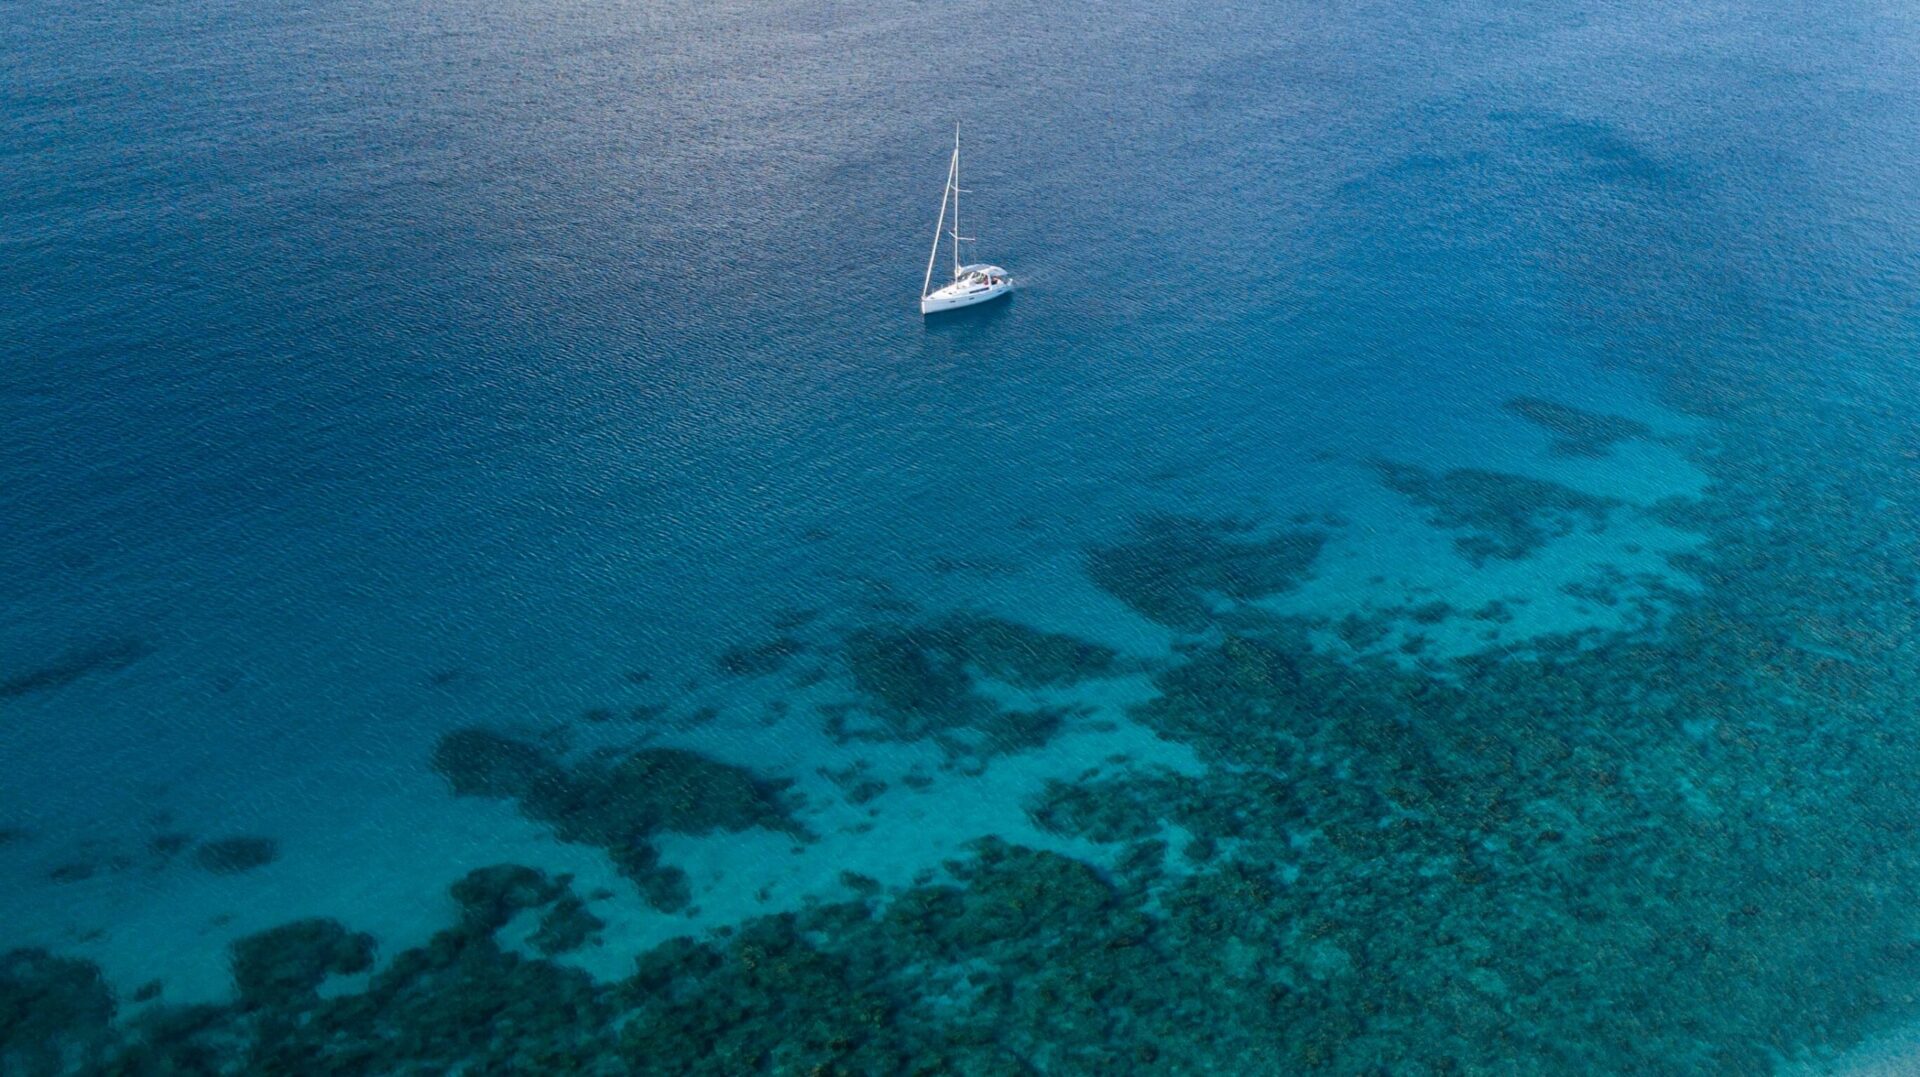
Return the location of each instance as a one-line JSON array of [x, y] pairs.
[[1104, 811], [489, 897], [459, 1002], [169, 844], [920, 681], [1029, 963], [566, 926], [1020, 655], [663, 886], [912, 682], [652, 790], [792, 620], [617, 801], [283, 967], [231, 856], [55, 1013], [1026, 962], [1504, 516], [103, 656], [1576, 432], [856, 782], [13, 835], [480, 762], [1176, 570], [72, 872], [1363, 631], [759, 659], [1498, 611]]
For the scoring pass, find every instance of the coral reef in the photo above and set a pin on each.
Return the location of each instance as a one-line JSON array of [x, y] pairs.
[[759, 659], [662, 886], [1031, 963], [283, 967], [1682, 846], [1109, 810], [618, 803], [1176, 569], [461, 1002], [911, 681], [489, 897], [1020, 655], [651, 790], [231, 856], [566, 926], [1576, 432], [169, 844], [103, 656], [1504, 516], [72, 872], [921, 681], [480, 762], [55, 1013]]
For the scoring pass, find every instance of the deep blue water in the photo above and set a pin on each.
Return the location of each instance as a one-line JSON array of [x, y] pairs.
[[371, 371]]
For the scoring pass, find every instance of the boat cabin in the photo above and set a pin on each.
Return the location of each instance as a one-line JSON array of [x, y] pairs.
[[980, 275]]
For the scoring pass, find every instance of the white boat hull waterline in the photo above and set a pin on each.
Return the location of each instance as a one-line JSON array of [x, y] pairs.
[[962, 294]]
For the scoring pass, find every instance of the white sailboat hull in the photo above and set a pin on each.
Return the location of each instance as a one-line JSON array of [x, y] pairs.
[[957, 295]]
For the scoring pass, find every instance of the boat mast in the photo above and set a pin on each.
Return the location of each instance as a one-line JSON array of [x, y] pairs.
[[938, 226], [956, 200]]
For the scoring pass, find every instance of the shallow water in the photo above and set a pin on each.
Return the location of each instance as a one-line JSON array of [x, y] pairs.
[[1444, 474]]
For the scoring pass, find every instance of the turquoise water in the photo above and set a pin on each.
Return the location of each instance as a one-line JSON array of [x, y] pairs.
[[1418, 579]]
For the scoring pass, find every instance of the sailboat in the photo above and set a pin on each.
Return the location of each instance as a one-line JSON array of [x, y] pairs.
[[973, 283]]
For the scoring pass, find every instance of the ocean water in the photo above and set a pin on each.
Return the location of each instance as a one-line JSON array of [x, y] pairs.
[[1420, 577]]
